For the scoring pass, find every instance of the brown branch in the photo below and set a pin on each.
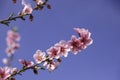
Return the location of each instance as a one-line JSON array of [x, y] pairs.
[[11, 18], [7, 21], [24, 69], [34, 67]]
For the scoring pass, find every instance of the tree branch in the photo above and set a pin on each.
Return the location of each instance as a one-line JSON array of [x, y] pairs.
[[12, 18]]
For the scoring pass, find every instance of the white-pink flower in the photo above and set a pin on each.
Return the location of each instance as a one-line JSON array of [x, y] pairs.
[[80, 43], [53, 52], [39, 56], [5, 61], [12, 36], [75, 44], [26, 63], [13, 70], [12, 42], [51, 65], [9, 51], [64, 48], [27, 8], [4, 73], [84, 36], [39, 2], [82, 32]]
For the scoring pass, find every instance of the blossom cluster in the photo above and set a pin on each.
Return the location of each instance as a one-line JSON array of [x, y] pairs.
[[5, 72], [28, 8], [62, 48], [50, 59], [12, 40]]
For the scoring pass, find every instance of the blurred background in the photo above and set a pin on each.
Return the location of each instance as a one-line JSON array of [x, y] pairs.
[[100, 61]]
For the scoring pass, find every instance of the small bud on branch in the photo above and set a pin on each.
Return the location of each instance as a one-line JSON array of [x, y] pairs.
[[14, 1]]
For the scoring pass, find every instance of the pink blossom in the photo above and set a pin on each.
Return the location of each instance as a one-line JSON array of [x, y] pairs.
[[53, 52], [4, 73], [75, 44], [5, 61], [64, 48], [82, 32], [84, 36], [39, 2], [13, 70], [14, 35], [26, 63], [12, 39], [39, 56], [51, 65], [80, 43], [27, 8], [10, 51]]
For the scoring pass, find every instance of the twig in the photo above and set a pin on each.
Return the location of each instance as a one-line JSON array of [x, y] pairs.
[[36, 66], [11, 18], [7, 21]]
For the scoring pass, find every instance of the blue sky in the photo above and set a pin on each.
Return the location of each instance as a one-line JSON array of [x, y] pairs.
[[100, 61]]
